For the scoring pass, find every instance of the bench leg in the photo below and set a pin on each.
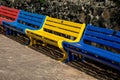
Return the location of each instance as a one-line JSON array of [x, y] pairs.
[[65, 55], [8, 32], [82, 57], [44, 43], [69, 56], [73, 57], [11, 32], [30, 41], [76, 57]]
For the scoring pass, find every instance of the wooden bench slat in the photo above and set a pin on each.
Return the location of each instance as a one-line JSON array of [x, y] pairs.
[[7, 15], [8, 12], [69, 23], [17, 26], [101, 30], [104, 42], [29, 21], [54, 37], [102, 35], [105, 37], [31, 18], [62, 26], [9, 9], [3, 19], [46, 35], [38, 16], [61, 31]]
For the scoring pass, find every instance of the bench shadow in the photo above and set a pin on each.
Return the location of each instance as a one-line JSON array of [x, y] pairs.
[[92, 68], [96, 70], [0, 30]]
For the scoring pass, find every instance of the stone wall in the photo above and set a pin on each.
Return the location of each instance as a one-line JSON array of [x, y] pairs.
[[81, 11]]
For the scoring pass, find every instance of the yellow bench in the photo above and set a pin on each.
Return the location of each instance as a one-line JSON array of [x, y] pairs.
[[54, 31]]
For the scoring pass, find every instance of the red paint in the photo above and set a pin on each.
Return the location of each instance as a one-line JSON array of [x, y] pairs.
[[8, 14]]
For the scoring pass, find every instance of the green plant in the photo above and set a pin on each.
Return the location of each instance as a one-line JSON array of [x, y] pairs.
[[41, 0]]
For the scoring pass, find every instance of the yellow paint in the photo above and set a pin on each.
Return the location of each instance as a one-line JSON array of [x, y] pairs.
[[54, 25]]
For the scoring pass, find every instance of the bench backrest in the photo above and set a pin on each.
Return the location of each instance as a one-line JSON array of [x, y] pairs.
[[64, 29], [107, 37], [9, 14], [31, 20]]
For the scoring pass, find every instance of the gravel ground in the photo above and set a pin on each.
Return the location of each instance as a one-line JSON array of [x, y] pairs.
[[18, 62]]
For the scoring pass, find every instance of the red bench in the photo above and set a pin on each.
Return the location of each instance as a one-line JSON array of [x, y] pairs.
[[7, 14]]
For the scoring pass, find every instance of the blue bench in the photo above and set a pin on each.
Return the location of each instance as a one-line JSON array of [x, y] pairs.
[[102, 36], [25, 20]]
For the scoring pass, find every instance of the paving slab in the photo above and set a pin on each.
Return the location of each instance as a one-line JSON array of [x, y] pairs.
[[18, 62]]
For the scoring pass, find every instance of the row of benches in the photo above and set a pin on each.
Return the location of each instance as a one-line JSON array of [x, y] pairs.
[[47, 29], [74, 39]]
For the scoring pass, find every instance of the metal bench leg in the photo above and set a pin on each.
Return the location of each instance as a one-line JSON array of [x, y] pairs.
[[34, 42], [65, 55], [79, 57], [69, 56], [30, 41], [82, 57], [11, 32], [73, 56], [44, 43], [7, 31]]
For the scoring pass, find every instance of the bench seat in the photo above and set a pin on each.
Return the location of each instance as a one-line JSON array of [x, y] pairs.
[[54, 31], [48, 38], [95, 51], [17, 26], [105, 37]]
